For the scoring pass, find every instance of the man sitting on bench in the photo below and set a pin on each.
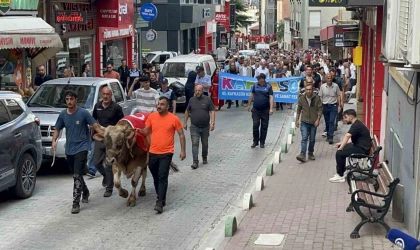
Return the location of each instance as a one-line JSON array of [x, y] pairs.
[[360, 143]]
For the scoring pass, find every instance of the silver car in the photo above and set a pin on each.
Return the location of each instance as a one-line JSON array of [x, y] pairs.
[[20, 145]]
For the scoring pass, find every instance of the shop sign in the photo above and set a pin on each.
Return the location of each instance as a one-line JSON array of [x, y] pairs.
[[74, 42], [232, 15], [148, 12], [206, 12], [19, 41], [346, 35], [71, 16], [77, 27], [221, 17], [112, 13], [118, 33], [328, 3], [4, 6]]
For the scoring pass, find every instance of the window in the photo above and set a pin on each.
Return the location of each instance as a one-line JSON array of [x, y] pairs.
[[178, 69], [207, 67], [14, 108], [315, 19], [4, 115], [404, 24], [163, 58], [116, 92]]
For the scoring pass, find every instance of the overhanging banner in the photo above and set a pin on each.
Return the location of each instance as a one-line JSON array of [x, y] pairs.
[[234, 87]]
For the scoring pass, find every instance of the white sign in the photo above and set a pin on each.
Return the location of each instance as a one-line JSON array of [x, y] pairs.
[[119, 32], [88, 57], [123, 10], [74, 42], [206, 12]]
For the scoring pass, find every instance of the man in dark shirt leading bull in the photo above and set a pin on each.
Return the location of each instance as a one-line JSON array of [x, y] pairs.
[[262, 94], [107, 113]]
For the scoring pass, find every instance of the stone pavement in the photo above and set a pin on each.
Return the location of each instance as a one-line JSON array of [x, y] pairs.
[[300, 202], [197, 199]]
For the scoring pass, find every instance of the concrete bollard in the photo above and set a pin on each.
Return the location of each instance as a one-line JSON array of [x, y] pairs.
[[259, 185], [247, 203], [277, 157], [284, 148], [294, 116], [269, 169], [230, 226], [289, 139]]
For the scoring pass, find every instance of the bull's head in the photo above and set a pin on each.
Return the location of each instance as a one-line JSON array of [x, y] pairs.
[[119, 141]]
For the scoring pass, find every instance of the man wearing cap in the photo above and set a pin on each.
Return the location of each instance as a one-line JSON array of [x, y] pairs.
[[168, 93], [203, 79], [146, 97], [262, 95]]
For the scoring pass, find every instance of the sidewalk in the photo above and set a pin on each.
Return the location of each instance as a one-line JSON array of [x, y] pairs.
[[300, 202]]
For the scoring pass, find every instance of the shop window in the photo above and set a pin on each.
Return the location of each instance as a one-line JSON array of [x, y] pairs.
[[76, 52], [10, 59], [14, 108], [116, 92], [207, 67], [115, 52]]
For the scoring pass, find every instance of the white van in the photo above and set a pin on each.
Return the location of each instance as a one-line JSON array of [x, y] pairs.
[[159, 57], [176, 70]]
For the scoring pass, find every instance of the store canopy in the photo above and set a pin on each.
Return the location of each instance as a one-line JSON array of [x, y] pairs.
[[364, 3], [31, 33]]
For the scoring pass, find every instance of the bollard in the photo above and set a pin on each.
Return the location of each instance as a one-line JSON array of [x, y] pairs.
[[230, 226], [259, 185], [269, 169], [294, 116], [284, 148], [247, 203], [289, 139], [277, 157]]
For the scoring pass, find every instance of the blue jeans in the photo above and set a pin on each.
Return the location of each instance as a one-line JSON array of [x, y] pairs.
[[330, 113], [92, 168], [307, 130]]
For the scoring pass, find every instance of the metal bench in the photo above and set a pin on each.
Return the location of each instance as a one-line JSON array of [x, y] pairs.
[[374, 199]]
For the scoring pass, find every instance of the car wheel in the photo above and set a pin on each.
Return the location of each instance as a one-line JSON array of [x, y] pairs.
[[26, 177]]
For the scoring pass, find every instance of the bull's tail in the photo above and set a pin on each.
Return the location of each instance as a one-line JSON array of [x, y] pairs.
[[174, 167]]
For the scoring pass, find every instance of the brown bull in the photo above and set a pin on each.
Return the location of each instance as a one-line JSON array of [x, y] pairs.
[[126, 156]]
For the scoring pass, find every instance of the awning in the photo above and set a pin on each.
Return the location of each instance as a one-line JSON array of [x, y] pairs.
[[364, 3], [327, 33], [32, 33], [255, 27]]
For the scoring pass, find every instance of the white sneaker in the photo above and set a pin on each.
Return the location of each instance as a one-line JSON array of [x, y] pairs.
[[324, 134], [334, 177], [338, 179]]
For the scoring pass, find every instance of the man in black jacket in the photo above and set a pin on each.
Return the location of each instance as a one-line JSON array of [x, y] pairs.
[[124, 72]]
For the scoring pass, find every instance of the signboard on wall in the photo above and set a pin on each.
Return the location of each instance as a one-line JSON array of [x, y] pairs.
[[70, 17], [112, 13], [232, 15], [346, 35], [328, 3]]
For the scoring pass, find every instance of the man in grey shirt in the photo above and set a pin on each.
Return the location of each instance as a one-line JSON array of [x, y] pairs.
[[201, 110], [331, 105]]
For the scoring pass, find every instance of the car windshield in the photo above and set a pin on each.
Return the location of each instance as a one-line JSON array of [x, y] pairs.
[[53, 96], [150, 57], [178, 69]]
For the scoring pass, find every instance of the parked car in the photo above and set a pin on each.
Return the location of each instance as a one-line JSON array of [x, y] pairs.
[[159, 57], [20, 145], [176, 70], [246, 53], [49, 99]]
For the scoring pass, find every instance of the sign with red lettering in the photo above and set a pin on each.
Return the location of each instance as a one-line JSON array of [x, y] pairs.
[[29, 41], [112, 13], [70, 17]]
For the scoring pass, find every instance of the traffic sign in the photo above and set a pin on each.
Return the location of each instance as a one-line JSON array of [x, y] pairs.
[[148, 12]]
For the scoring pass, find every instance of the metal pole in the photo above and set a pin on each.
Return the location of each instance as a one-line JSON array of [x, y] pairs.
[[327, 41], [139, 52]]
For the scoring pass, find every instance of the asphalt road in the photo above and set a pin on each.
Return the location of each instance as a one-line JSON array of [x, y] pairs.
[[196, 199]]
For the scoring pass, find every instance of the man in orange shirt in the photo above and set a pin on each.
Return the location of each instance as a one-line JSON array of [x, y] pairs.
[[162, 124], [110, 73]]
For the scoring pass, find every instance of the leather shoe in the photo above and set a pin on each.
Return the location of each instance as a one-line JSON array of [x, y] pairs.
[[107, 193]]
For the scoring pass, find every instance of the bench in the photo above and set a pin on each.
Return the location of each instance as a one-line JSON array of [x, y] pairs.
[[363, 162], [374, 199]]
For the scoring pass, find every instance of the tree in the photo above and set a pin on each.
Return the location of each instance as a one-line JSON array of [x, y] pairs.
[[242, 20], [280, 31]]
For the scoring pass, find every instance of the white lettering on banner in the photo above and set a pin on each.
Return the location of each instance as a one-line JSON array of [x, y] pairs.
[[109, 11], [117, 33]]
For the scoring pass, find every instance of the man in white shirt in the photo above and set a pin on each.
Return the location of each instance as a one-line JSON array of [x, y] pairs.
[[146, 97], [352, 74], [221, 53], [262, 70]]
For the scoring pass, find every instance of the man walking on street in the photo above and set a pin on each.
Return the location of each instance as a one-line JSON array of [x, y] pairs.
[[203, 115], [146, 97], [361, 143], [262, 95], [107, 113], [162, 125], [110, 73], [124, 72], [332, 104], [203, 79], [168, 93], [76, 121], [309, 111]]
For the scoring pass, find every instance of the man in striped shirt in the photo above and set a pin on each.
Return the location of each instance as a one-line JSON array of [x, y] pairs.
[[146, 97]]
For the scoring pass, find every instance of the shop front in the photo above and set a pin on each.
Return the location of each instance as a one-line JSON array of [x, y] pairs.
[[206, 37], [76, 23], [115, 34], [25, 42]]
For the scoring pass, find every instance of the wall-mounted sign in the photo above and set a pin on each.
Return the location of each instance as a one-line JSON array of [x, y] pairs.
[[70, 16], [221, 17], [232, 15], [75, 27], [113, 13], [223, 38], [148, 12], [151, 35], [328, 3], [4, 6], [107, 33], [74, 42], [206, 12], [346, 35]]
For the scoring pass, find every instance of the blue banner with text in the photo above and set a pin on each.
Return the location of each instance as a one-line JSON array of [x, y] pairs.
[[234, 87]]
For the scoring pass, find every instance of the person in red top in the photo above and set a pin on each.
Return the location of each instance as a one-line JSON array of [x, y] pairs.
[[162, 125]]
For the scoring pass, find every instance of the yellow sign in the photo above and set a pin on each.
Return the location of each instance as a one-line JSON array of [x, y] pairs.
[[5, 3]]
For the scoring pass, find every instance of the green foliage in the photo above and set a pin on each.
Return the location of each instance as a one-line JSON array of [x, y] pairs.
[[280, 31]]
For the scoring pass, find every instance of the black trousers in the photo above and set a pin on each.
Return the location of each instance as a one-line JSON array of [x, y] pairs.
[[105, 170], [159, 165], [188, 94], [341, 155], [260, 117], [77, 164]]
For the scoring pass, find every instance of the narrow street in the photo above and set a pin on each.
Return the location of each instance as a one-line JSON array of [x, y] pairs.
[[196, 198]]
